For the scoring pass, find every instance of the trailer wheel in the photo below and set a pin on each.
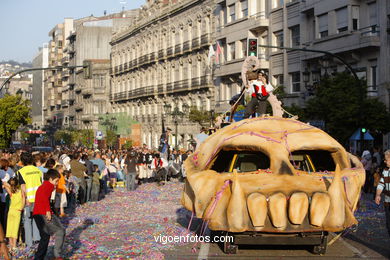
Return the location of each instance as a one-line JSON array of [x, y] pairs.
[[229, 248], [321, 248]]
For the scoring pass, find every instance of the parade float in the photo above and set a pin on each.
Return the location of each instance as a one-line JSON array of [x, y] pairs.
[[273, 180]]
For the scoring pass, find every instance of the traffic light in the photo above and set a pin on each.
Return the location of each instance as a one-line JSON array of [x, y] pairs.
[[252, 47], [364, 130]]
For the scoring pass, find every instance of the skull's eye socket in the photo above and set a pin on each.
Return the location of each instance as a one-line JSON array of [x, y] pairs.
[[242, 161], [313, 160]]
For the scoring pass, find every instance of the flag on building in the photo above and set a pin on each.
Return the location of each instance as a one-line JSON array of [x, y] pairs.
[[219, 52], [211, 53]]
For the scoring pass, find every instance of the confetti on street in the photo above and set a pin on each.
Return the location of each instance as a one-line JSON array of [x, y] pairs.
[[123, 225]]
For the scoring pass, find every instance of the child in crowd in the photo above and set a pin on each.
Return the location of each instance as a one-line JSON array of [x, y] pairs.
[[71, 183], [15, 211], [95, 184], [60, 199], [47, 222]]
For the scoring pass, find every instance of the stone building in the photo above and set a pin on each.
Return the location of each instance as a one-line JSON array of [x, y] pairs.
[[162, 58], [354, 30]]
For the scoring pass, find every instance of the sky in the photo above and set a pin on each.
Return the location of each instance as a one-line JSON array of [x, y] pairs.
[[25, 24]]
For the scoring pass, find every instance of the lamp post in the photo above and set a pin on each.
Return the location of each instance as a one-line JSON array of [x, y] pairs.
[[109, 123], [177, 116]]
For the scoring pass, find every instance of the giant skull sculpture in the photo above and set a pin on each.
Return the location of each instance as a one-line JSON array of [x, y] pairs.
[[273, 174]]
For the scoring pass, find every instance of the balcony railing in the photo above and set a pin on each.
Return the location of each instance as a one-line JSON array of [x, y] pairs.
[[195, 43], [372, 30], [169, 51], [160, 88], [152, 57], [205, 39], [160, 54], [169, 87], [178, 48], [125, 66], [186, 46]]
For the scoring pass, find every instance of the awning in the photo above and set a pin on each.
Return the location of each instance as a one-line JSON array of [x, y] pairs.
[[356, 136], [35, 132]]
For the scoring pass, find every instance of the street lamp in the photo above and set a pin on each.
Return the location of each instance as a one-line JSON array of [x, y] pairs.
[[177, 116], [109, 123]]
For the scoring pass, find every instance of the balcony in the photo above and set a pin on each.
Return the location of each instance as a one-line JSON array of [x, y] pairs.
[[152, 57], [195, 43], [64, 103], [182, 85], [125, 66], [87, 118], [120, 70], [78, 107], [160, 54], [65, 73], [169, 52], [178, 49], [169, 87], [366, 37], [205, 39], [77, 89], [65, 60], [186, 46], [160, 88], [87, 92], [195, 82]]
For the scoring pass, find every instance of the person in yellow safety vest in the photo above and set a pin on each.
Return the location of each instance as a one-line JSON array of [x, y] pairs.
[[30, 178]]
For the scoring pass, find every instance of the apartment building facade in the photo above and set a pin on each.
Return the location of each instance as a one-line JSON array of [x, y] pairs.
[[84, 97], [163, 59], [38, 88], [54, 82], [356, 30]]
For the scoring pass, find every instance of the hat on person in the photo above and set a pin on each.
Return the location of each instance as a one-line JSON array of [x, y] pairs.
[[168, 129]]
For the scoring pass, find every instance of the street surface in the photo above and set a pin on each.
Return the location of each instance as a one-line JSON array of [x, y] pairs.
[[123, 225]]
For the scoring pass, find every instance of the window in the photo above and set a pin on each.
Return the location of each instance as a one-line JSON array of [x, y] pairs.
[[279, 80], [355, 17], [243, 48], [232, 13], [277, 3], [232, 51], [323, 25], [373, 18], [279, 38], [342, 19], [295, 36], [373, 71], [244, 8], [296, 81]]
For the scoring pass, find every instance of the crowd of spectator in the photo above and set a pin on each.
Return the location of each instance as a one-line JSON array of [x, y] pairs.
[[40, 188]]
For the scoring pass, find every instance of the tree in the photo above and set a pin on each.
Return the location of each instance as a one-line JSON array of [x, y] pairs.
[[342, 103], [14, 112], [199, 116], [127, 145], [111, 138], [87, 137], [64, 137]]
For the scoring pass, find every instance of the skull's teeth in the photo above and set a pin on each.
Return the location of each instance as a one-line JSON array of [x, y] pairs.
[[320, 203], [298, 207], [257, 206], [278, 210]]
